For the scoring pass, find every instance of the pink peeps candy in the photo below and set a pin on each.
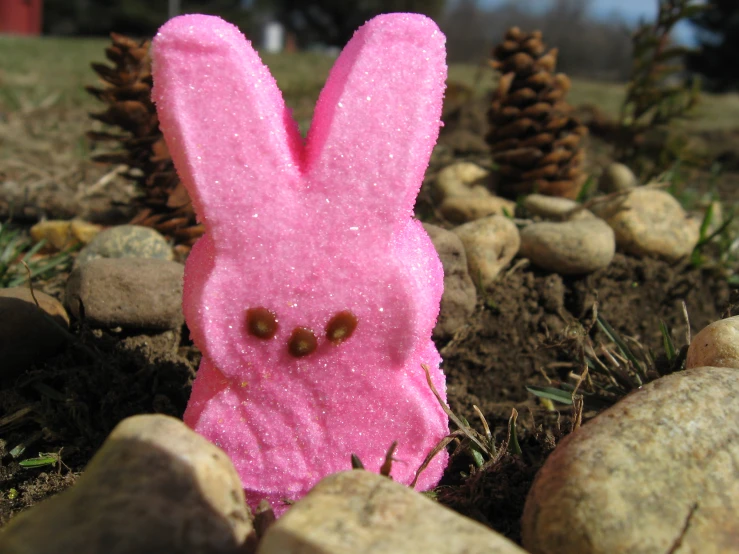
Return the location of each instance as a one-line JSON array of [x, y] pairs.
[[313, 293]]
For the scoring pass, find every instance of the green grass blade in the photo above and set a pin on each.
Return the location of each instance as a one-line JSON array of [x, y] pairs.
[[551, 393], [667, 343]]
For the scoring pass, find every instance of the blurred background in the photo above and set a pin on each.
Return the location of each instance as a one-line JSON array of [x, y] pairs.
[[593, 36]]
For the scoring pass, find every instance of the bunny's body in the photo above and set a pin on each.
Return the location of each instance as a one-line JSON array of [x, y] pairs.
[[313, 293]]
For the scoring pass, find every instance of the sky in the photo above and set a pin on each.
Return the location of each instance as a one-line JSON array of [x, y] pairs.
[[629, 10]]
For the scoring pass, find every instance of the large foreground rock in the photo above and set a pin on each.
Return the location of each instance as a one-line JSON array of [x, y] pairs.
[[359, 512], [658, 472], [154, 487]]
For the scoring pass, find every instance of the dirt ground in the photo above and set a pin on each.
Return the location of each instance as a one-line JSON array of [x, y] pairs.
[[516, 337]]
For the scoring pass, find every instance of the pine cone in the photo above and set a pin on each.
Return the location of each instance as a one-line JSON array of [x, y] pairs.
[[535, 139], [164, 204]]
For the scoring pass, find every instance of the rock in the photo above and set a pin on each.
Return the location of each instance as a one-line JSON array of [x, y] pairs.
[[29, 334], [490, 244], [650, 222], [460, 295], [656, 472], [617, 178], [460, 179], [61, 234], [570, 247], [133, 293], [461, 209], [716, 345], [154, 486], [555, 208], [364, 513], [126, 241]]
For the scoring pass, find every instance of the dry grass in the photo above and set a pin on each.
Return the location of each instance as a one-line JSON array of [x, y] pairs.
[[43, 111]]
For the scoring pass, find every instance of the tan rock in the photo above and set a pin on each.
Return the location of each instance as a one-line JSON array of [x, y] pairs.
[[460, 296], [490, 244], [133, 293], [29, 334], [555, 208], [360, 512], [569, 247], [656, 472], [460, 179], [650, 222], [461, 209], [617, 177], [61, 235], [154, 486], [716, 345]]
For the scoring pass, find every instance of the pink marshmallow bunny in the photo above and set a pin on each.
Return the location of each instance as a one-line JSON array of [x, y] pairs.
[[313, 293]]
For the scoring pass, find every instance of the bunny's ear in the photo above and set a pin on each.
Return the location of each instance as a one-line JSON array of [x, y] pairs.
[[378, 116], [225, 122]]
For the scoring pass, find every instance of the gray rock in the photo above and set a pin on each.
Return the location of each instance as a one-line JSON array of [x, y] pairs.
[[656, 472], [460, 295], [555, 208], [617, 177], [716, 345], [461, 179], [133, 293], [126, 241], [154, 486], [650, 222], [490, 244], [461, 209], [570, 247], [364, 513], [29, 334]]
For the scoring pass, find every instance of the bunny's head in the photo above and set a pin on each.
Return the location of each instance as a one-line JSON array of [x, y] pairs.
[[312, 278]]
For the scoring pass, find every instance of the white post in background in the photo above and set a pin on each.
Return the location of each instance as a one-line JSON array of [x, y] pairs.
[[274, 37], [174, 8]]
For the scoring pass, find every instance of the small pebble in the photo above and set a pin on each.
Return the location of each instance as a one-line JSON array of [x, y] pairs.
[[126, 241], [617, 177], [716, 345], [570, 247], [461, 179], [555, 208], [490, 244], [154, 486], [460, 295], [29, 334], [656, 470], [132, 293], [360, 512], [461, 209], [649, 222], [61, 234]]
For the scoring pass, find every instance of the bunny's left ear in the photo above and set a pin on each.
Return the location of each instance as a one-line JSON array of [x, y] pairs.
[[232, 139], [378, 116]]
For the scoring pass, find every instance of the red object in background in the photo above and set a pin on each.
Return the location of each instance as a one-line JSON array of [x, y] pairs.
[[21, 17]]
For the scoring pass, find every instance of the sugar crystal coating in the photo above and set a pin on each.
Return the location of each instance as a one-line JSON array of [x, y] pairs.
[[307, 231]]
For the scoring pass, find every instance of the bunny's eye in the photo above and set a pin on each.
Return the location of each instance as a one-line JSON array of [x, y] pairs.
[[261, 323], [302, 342], [341, 327]]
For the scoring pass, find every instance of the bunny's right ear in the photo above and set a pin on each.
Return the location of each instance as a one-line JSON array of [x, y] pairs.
[[233, 142]]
